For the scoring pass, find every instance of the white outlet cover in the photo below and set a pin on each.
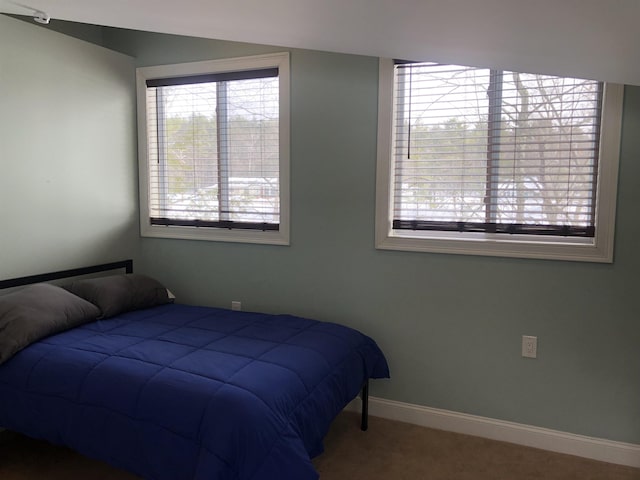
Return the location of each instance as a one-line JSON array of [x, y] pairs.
[[529, 346]]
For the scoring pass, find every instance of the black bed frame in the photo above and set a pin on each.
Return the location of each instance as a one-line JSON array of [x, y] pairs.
[[74, 272], [127, 265]]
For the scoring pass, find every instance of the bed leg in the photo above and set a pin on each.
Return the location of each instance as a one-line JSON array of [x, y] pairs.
[[365, 406]]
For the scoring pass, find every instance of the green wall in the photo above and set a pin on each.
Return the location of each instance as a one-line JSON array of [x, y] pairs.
[[68, 185], [450, 325]]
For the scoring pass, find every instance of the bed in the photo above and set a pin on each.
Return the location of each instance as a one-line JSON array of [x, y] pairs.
[[170, 391]]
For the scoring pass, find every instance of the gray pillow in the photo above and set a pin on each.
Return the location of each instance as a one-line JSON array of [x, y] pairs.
[[121, 293], [38, 311]]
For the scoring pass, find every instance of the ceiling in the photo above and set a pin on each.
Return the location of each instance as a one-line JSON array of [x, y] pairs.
[[584, 38]]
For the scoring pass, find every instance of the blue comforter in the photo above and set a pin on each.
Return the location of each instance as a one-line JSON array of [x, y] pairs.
[[182, 392]]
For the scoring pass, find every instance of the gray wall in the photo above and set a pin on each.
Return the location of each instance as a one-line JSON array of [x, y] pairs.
[[450, 325], [68, 186]]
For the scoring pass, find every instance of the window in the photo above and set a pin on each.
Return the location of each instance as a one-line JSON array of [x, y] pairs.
[[214, 150], [488, 162]]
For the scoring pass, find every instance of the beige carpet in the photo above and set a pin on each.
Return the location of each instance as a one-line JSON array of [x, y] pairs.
[[388, 451], [399, 451]]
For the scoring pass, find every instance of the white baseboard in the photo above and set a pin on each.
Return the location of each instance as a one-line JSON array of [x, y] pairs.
[[595, 448]]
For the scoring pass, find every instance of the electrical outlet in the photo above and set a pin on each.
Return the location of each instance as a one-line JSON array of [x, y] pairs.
[[235, 305], [529, 346]]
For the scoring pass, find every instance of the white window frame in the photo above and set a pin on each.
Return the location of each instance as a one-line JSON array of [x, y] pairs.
[[597, 249], [279, 237]]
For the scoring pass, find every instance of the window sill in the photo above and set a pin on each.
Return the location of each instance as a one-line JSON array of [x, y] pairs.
[[579, 250], [217, 235]]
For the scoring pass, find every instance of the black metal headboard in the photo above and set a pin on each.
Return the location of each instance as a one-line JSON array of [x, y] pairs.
[[74, 272]]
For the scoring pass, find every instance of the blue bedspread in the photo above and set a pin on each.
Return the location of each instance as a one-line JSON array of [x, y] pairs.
[[181, 392]]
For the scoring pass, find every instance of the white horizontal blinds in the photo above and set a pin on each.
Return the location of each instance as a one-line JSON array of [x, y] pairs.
[[214, 150], [492, 151]]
